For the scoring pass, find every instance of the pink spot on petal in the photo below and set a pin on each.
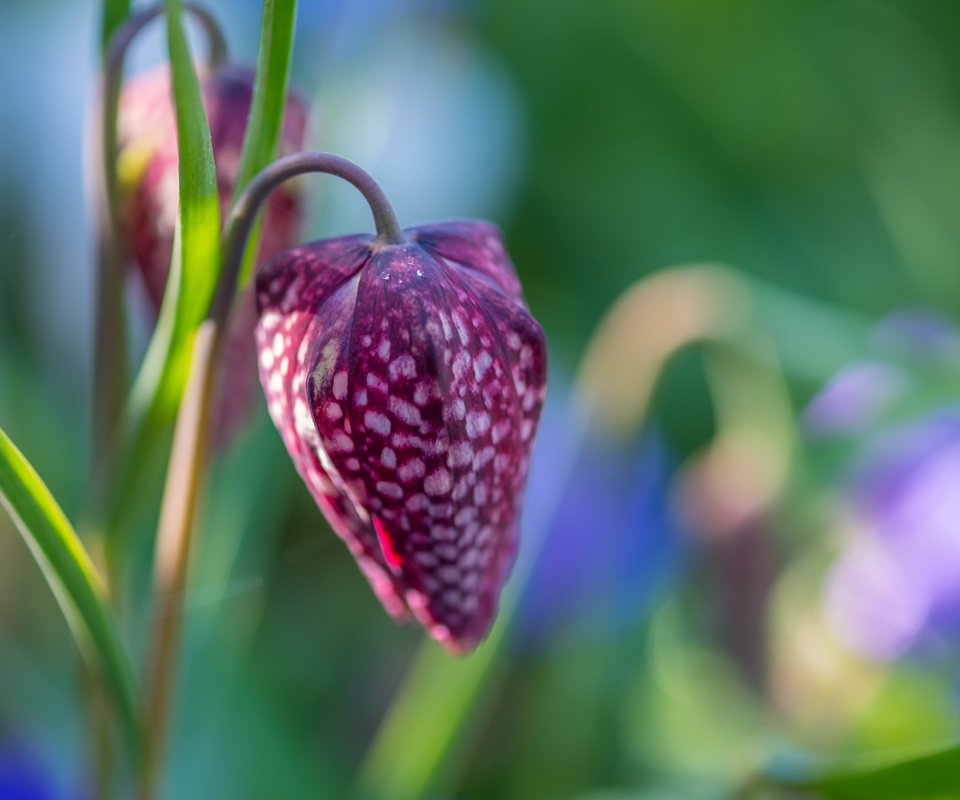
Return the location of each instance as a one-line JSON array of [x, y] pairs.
[[386, 545]]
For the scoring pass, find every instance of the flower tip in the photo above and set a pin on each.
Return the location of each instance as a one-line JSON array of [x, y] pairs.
[[461, 645], [455, 647]]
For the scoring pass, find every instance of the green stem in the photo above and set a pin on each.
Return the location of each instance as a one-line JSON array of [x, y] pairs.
[[74, 580], [175, 537], [115, 13], [110, 369], [110, 356]]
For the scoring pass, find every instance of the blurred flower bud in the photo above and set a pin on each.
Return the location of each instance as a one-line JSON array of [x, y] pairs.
[[148, 164], [407, 382], [895, 586], [855, 400], [148, 172], [898, 579]]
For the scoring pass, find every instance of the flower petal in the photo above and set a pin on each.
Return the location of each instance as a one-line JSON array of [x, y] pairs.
[[472, 244], [440, 387], [306, 299]]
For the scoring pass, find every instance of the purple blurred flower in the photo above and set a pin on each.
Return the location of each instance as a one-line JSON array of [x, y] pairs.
[[22, 775], [612, 542], [901, 580], [855, 399], [913, 333], [898, 582], [865, 393], [149, 149]]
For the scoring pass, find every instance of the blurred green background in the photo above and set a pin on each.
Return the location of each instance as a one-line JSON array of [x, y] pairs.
[[716, 576]]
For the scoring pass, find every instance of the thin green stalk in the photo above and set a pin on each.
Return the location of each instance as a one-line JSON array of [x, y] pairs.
[[110, 353], [175, 536], [155, 396], [188, 461], [193, 273], [267, 107], [114, 14]]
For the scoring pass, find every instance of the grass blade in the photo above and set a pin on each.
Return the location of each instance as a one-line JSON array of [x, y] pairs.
[[159, 386], [426, 720], [194, 271], [196, 248], [268, 105], [115, 13], [926, 776], [72, 578]]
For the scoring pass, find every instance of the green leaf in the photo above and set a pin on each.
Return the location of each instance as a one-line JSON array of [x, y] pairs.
[[928, 776], [72, 577], [194, 270], [268, 105], [160, 384], [196, 248], [426, 719]]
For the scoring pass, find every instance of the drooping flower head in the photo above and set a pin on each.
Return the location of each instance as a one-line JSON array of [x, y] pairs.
[[148, 164], [407, 382]]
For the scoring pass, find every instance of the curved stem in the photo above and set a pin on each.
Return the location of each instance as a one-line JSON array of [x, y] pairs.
[[110, 349], [244, 212], [123, 38], [113, 75]]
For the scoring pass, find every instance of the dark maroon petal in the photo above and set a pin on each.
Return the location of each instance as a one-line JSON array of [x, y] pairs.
[[428, 413], [306, 298], [472, 244], [407, 383]]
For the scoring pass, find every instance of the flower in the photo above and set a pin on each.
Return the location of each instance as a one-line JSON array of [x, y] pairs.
[[613, 542], [148, 168], [855, 400], [898, 580], [895, 585], [148, 164], [23, 773], [407, 382]]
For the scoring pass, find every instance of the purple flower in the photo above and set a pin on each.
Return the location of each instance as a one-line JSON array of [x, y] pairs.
[[148, 169], [900, 579], [148, 164], [914, 334], [407, 382], [613, 540], [855, 399], [22, 775]]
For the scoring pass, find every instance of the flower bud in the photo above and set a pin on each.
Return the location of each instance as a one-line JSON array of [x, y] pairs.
[[407, 382], [148, 164], [148, 171]]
